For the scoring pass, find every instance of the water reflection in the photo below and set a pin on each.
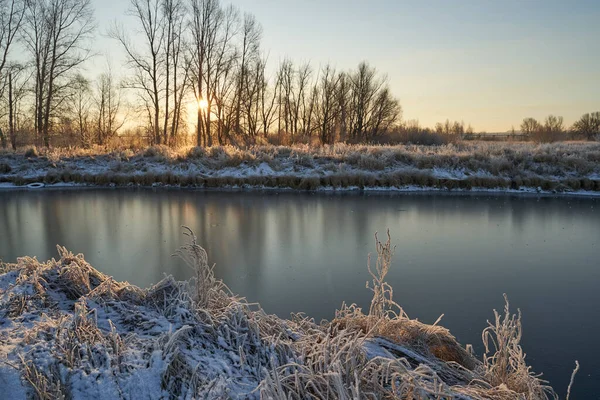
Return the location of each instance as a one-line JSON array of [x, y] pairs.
[[307, 252]]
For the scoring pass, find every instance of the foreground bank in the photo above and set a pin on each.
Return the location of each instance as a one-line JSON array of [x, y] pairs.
[[67, 329], [559, 168]]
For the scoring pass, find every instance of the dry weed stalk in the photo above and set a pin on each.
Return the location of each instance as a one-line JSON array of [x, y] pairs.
[[210, 292], [382, 302], [45, 386], [504, 359], [572, 379]]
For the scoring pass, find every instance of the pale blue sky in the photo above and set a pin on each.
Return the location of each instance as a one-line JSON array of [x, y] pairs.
[[490, 63]]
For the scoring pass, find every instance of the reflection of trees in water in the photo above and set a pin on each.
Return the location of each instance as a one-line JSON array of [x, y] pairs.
[[245, 229], [10, 231]]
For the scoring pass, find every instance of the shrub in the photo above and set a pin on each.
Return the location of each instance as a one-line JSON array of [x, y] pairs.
[[197, 152], [30, 153], [160, 152]]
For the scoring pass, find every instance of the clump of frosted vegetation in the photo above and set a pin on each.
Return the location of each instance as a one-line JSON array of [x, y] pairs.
[[69, 331]]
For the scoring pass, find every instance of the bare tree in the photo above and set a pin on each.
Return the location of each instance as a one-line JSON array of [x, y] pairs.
[[553, 124], [251, 100], [80, 104], [326, 108], [529, 126], [286, 98], [299, 102], [18, 79], [372, 107], [343, 103], [212, 29], [249, 55], [267, 98], [588, 125], [108, 105], [56, 32], [220, 78], [12, 13], [386, 112], [176, 67], [365, 86], [146, 63], [11, 16]]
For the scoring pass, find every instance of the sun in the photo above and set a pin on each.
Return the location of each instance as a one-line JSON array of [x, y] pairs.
[[202, 104]]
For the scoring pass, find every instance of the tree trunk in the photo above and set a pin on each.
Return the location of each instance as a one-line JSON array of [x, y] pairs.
[[11, 118]]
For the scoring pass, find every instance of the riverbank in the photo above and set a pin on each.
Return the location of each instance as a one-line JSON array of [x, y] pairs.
[[565, 167], [67, 329]]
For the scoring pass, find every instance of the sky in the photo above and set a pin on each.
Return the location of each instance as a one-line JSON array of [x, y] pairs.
[[489, 63]]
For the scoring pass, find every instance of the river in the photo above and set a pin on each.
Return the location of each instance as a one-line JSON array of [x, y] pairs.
[[307, 252]]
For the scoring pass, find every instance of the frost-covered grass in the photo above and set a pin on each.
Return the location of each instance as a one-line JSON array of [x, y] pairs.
[[563, 167], [69, 331]]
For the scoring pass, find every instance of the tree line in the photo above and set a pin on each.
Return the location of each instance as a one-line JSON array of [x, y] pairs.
[[553, 128], [182, 52], [189, 51]]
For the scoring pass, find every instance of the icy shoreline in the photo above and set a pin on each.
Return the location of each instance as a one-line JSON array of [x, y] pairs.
[[524, 191]]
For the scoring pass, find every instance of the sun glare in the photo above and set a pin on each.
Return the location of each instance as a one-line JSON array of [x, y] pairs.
[[203, 104]]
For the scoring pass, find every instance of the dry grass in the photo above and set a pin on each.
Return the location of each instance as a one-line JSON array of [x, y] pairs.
[[199, 341], [560, 167]]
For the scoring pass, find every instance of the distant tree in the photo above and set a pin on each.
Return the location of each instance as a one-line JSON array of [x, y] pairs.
[[452, 128], [249, 55], [177, 68], [56, 34], [18, 80], [11, 18], [439, 128], [80, 103], [365, 85], [287, 94], [386, 112], [343, 103], [266, 96], [326, 104], [553, 124], [301, 105], [529, 126], [458, 128], [148, 66], [107, 107], [213, 54], [588, 125], [12, 13], [373, 108]]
